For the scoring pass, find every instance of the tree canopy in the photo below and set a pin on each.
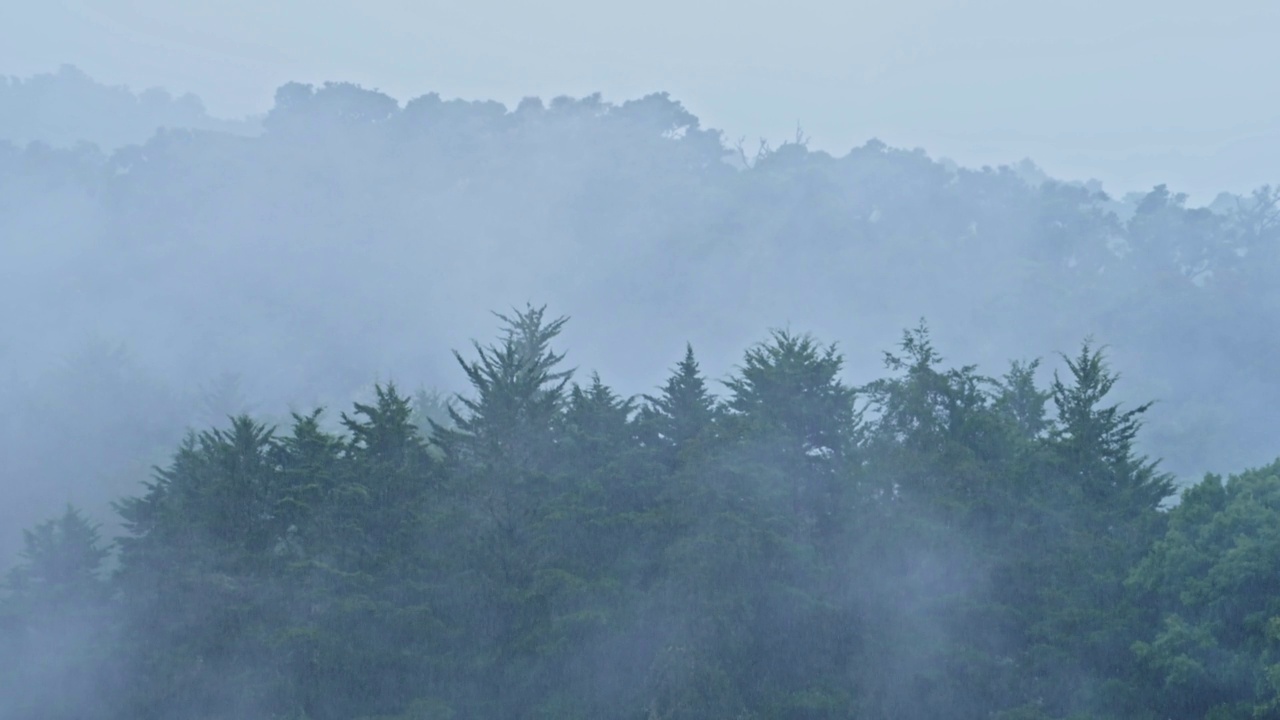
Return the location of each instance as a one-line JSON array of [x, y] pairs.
[[936, 543], [755, 535]]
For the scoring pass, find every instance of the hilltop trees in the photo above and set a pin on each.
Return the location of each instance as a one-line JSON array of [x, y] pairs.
[[778, 542], [426, 211]]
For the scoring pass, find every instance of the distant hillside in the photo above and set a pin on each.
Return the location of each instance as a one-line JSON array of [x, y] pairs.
[[68, 107], [357, 239]]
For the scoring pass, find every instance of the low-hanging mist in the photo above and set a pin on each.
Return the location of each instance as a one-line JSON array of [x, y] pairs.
[[936, 543], [809, 543], [158, 285]]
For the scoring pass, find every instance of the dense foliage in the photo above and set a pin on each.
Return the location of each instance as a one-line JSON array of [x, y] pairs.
[[938, 543], [167, 277], [784, 544], [68, 108]]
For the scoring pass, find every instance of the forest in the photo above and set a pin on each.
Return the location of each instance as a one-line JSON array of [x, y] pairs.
[[937, 543], [253, 465]]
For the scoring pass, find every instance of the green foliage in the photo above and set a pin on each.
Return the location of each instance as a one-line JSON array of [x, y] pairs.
[[789, 386], [931, 544], [516, 384], [684, 413], [1098, 441], [1212, 577]]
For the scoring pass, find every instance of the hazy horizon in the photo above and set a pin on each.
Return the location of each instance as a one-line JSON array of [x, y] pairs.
[[345, 380], [1137, 95]]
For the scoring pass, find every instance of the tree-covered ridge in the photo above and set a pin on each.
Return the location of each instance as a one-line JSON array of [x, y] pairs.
[[66, 108], [355, 221], [937, 543]]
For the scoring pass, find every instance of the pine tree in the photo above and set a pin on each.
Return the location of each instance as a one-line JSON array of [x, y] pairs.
[[519, 393], [1097, 442], [684, 410], [56, 622], [790, 386], [61, 562], [199, 577], [1099, 514], [504, 457]]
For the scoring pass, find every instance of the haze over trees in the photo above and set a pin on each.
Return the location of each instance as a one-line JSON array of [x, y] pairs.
[[67, 107], [800, 530], [937, 543]]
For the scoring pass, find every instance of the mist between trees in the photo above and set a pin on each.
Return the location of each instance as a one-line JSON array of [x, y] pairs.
[[786, 544], [936, 543]]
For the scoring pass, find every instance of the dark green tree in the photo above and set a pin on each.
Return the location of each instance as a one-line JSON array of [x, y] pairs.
[[682, 413], [1215, 650], [504, 459], [199, 578], [1096, 441], [1103, 502]]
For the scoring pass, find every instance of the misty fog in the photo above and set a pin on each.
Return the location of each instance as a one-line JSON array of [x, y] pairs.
[[1135, 93], [325, 401]]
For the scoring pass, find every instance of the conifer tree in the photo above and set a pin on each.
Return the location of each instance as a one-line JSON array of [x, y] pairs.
[[504, 459], [56, 622], [1097, 441], [683, 411]]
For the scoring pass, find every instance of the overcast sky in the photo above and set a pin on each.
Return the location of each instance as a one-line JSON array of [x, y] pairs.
[[1132, 93]]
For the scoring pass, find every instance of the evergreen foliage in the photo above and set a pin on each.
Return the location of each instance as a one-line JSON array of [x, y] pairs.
[[936, 543]]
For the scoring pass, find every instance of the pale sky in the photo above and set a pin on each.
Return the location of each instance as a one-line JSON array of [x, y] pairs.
[[1133, 93]]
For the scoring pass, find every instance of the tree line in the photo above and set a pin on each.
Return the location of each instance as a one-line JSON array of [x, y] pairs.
[[163, 261], [936, 543]]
